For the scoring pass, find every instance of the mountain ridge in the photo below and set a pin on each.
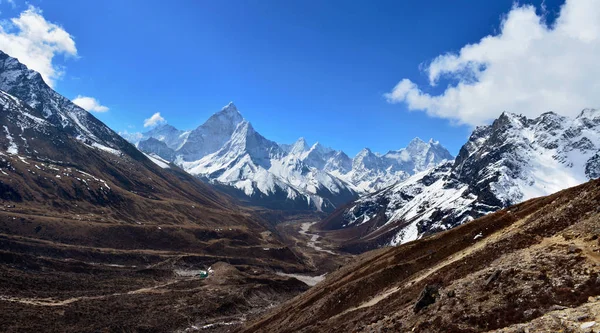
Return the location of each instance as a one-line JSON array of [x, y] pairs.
[[509, 161], [295, 175], [89, 223]]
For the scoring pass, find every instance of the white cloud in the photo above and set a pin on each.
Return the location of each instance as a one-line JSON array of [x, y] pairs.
[[133, 137], [90, 104], [156, 119], [528, 68], [35, 42]]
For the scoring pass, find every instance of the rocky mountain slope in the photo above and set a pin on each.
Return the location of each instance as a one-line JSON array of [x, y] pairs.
[[226, 150], [512, 160], [531, 267], [90, 228], [60, 157]]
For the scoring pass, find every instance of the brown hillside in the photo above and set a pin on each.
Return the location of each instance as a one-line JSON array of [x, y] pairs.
[[506, 268]]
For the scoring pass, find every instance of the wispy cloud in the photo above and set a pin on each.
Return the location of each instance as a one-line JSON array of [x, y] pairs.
[[134, 137], [90, 104], [35, 42], [155, 120], [528, 68]]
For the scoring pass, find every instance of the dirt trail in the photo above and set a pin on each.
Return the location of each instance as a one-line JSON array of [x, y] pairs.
[[308, 279], [314, 238], [580, 244], [52, 302]]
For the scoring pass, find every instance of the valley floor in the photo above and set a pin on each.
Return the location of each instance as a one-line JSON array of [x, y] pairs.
[[64, 281], [51, 282], [319, 253]]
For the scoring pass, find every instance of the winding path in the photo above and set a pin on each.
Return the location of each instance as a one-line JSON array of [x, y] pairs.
[[304, 227]]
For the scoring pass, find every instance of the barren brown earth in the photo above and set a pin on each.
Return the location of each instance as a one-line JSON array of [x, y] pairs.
[[517, 270], [96, 237], [94, 242], [76, 276]]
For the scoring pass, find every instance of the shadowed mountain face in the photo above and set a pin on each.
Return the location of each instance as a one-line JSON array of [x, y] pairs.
[[512, 160], [515, 269]]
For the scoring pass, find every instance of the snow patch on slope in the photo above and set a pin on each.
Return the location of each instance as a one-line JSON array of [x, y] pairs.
[[12, 147], [158, 160]]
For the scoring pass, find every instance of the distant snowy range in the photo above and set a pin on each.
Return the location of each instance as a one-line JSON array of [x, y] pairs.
[[227, 151], [394, 197]]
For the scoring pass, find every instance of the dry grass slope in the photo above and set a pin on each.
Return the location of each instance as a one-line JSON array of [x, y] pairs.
[[509, 267]]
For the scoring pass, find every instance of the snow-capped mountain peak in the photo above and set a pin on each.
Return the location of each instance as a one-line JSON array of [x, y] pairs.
[[415, 144], [228, 116], [339, 162], [226, 149], [28, 86], [364, 157], [590, 117], [168, 134], [512, 160], [245, 140], [299, 147], [212, 135]]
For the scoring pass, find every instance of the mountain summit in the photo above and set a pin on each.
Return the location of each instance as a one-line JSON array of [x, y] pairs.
[[226, 150], [212, 135], [56, 110], [60, 159], [83, 212], [502, 164]]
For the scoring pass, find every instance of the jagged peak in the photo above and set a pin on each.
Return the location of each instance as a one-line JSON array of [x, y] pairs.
[[589, 113], [364, 151], [510, 118], [506, 114], [416, 144], [550, 117], [341, 154], [165, 125], [549, 113], [230, 107], [229, 111], [301, 141], [245, 125], [242, 131], [299, 146], [162, 128], [227, 117], [416, 140], [246, 128], [30, 87], [11, 61], [317, 147], [13, 64]]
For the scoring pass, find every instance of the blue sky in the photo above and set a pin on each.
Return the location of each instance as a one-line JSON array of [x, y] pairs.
[[318, 69]]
